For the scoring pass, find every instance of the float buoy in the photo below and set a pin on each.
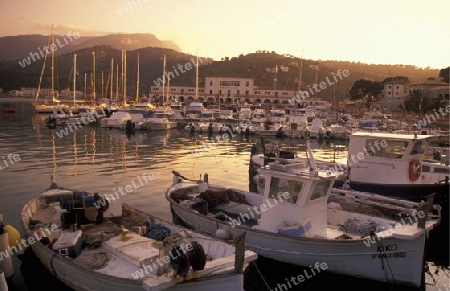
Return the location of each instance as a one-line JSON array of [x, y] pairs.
[[13, 235], [9, 110], [6, 263]]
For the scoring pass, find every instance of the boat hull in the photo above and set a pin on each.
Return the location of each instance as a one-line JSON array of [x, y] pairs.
[[83, 278], [412, 192], [346, 257]]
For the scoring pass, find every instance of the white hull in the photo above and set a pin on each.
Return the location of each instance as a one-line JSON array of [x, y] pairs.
[[81, 279], [157, 126], [354, 257], [342, 257], [44, 109]]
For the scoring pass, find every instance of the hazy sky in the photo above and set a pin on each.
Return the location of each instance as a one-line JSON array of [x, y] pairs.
[[413, 32]]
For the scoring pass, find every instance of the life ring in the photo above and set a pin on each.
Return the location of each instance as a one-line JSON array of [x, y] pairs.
[[415, 170]]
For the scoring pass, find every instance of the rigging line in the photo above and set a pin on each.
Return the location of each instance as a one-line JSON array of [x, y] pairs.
[[262, 277], [42, 72], [287, 81], [385, 266], [70, 75]]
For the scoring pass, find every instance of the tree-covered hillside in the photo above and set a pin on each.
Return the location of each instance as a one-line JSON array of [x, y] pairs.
[[263, 66]]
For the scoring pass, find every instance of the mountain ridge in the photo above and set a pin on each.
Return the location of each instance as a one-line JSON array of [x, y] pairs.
[[19, 47], [260, 65]]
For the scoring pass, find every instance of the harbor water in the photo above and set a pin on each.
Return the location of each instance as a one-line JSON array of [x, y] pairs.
[[97, 159]]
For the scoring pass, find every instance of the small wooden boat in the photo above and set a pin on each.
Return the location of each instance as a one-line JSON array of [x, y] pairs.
[[94, 243]]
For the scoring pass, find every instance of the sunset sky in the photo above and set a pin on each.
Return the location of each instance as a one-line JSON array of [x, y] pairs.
[[382, 32]]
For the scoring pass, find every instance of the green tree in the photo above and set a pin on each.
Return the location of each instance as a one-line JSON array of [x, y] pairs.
[[444, 74], [418, 102], [363, 88]]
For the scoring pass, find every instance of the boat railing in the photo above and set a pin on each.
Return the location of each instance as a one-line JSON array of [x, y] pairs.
[[405, 206]]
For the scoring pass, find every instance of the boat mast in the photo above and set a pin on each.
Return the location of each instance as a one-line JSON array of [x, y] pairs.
[[124, 77], [275, 79], [117, 81], [42, 74], [164, 79], [137, 79], [85, 87], [74, 77], [300, 74], [196, 79], [93, 76], [168, 90], [53, 65], [101, 97], [111, 73]]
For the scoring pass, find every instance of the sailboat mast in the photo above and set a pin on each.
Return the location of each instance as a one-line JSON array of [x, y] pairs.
[[117, 81], [93, 75], [101, 97], [275, 79], [74, 77], [164, 79], [124, 77], [137, 79], [85, 87], [111, 78], [300, 73], [53, 66], [196, 79], [123, 97], [168, 90]]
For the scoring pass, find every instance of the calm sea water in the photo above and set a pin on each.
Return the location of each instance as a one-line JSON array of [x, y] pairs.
[[101, 160]]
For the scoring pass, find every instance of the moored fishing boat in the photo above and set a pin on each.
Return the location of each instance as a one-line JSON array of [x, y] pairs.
[[91, 242], [298, 219], [393, 165]]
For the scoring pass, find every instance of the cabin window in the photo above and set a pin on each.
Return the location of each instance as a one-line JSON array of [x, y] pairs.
[[393, 149], [419, 147], [320, 190], [279, 185], [441, 170]]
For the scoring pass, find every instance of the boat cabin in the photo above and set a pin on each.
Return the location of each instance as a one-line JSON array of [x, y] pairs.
[[295, 199], [387, 157]]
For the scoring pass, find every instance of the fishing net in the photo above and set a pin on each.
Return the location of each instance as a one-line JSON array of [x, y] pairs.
[[91, 260]]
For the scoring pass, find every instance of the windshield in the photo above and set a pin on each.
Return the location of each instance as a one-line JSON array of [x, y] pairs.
[[419, 147]]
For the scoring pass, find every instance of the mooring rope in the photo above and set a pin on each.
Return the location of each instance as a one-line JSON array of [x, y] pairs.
[[386, 268], [262, 277]]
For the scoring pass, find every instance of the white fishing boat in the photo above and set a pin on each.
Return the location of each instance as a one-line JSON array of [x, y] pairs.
[[268, 128], [298, 219], [393, 164], [160, 119], [93, 245], [143, 106], [339, 131], [194, 111], [60, 117], [317, 129], [297, 124], [118, 119]]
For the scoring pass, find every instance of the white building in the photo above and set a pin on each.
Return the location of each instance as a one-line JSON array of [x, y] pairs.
[[230, 90]]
